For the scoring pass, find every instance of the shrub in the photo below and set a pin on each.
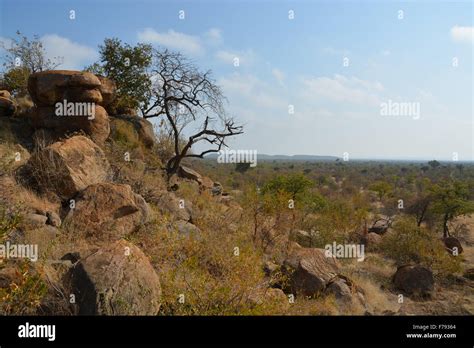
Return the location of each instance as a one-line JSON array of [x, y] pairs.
[[409, 243], [23, 297]]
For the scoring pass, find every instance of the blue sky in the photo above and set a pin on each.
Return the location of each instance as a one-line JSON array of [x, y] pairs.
[[402, 57]]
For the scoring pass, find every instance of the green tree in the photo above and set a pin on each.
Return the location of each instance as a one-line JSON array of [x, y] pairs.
[[15, 80], [24, 56], [382, 188], [434, 164], [294, 184], [129, 67], [451, 199]]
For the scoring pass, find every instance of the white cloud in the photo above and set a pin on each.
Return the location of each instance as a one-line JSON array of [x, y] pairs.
[[245, 57], [279, 76], [462, 34], [252, 91], [213, 36], [343, 89], [73, 55], [189, 44]]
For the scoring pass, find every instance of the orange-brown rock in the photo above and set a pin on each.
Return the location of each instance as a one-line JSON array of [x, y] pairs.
[[49, 87], [116, 280], [69, 166], [107, 211]]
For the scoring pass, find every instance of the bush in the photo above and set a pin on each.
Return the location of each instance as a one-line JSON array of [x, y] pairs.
[[409, 243]]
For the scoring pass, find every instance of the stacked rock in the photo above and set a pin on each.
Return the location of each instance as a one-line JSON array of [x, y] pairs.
[[7, 106], [68, 101]]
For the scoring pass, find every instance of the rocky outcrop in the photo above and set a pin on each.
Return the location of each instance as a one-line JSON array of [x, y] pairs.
[[204, 182], [68, 166], [97, 128], [414, 279], [168, 203], [7, 107], [5, 94], [49, 87], [381, 225], [79, 93], [106, 212], [309, 270], [108, 89], [41, 236], [453, 245], [301, 237], [116, 280], [142, 127], [371, 240], [185, 228]]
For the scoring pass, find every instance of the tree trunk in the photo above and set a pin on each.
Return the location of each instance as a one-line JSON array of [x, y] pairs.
[[445, 226]]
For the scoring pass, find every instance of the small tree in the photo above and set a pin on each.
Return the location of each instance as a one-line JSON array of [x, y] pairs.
[[128, 67], [451, 199], [382, 188], [293, 184], [422, 200], [23, 57], [434, 164], [187, 97]]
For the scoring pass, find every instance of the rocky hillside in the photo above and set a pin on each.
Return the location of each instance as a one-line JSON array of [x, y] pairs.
[[116, 236]]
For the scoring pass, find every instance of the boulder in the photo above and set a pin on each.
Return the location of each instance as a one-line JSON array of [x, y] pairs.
[[32, 221], [414, 279], [309, 270], [301, 237], [49, 87], [469, 273], [12, 156], [42, 237], [98, 127], [143, 127], [168, 203], [185, 228], [270, 268], [116, 280], [53, 219], [452, 244], [204, 182], [275, 295], [340, 289], [380, 226], [108, 89], [5, 94], [68, 166], [7, 107], [372, 240], [106, 212], [188, 173], [217, 188], [10, 274]]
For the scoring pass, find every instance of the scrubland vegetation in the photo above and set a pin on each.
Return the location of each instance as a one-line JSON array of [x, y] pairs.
[[221, 239]]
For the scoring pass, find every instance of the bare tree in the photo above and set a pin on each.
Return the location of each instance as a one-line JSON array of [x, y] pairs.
[[188, 97], [27, 53]]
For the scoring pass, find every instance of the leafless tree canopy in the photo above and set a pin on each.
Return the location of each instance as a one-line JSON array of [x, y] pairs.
[[188, 98]]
